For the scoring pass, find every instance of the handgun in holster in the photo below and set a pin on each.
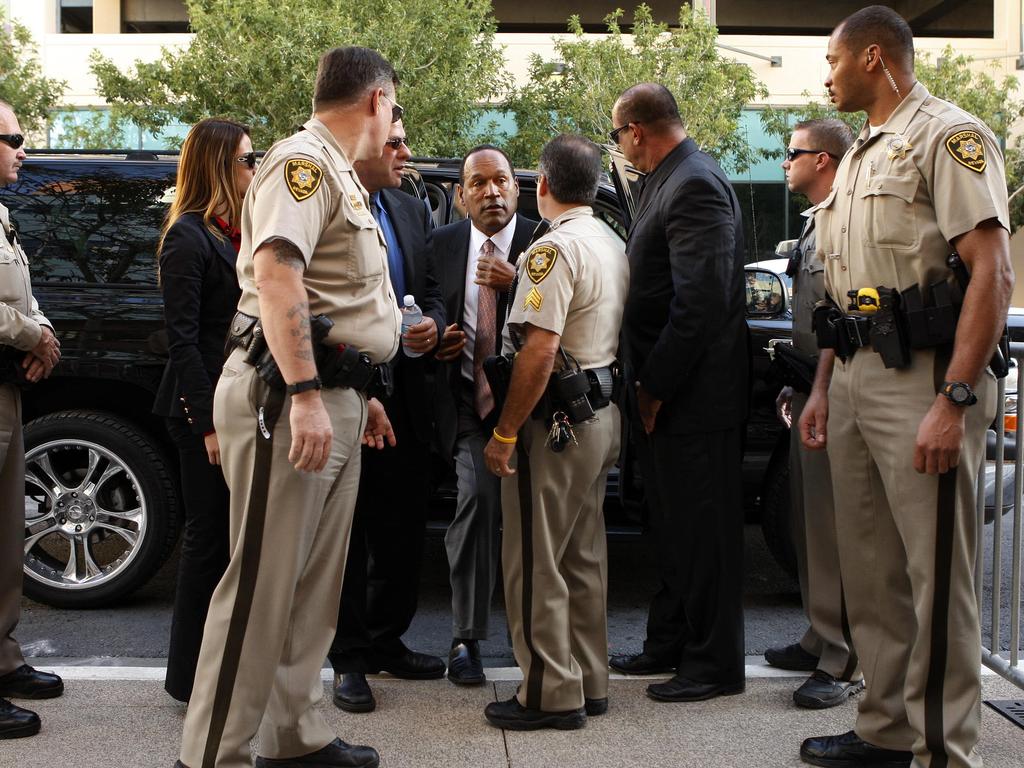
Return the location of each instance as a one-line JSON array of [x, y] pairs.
[[498, 372], [260, 357], [825, 320], [1000, 362]]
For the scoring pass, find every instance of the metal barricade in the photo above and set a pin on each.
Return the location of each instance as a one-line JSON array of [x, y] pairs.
[[1002, 658]]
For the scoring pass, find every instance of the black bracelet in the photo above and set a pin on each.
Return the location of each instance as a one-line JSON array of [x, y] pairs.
[[304, 386]]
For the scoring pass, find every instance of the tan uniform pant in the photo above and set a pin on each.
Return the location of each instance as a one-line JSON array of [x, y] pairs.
[[273, 615], [555, 563], [813, 524], [12, 524], [907, 545]]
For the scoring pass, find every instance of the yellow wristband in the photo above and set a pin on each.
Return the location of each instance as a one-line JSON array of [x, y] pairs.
[[506, 440]]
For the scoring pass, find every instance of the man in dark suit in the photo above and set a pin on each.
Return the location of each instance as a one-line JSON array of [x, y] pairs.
[[685, 340], [381, 582], [476, 259]]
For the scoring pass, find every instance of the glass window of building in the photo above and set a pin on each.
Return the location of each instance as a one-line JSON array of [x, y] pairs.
[[154, 16], [75, 16], [927, 18], [545, 16]]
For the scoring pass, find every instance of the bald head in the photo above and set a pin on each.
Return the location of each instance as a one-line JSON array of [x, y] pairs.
[[881, 26], [649, 103]]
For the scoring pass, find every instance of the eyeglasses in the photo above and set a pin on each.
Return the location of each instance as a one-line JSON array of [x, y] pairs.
[[614, 133], [396, 109], [13, 140], [396, 142], [249, 158], [792, 153]]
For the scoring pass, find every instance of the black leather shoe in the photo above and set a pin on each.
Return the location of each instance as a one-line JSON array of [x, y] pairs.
[[821, 691], [849, 750], [352, 693], [513, 716], [595, 707], [337, 754], [464, 665], [639, 664], [409, 665], [792, 657], [684, 689], [28, 683], [17, 723]]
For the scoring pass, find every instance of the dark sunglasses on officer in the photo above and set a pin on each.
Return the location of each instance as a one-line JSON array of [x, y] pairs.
[[12, 140], [792, 153]]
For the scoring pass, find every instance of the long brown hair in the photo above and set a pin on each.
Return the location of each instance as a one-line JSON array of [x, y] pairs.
[[206, 175]]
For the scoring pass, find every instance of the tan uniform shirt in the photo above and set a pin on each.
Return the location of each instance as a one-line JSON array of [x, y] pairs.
[[307, 193], [20, 319], [808, 289], [932, 173], [573, 282]]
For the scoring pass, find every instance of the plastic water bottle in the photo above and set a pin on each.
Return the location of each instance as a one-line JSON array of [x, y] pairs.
[[411, 315]]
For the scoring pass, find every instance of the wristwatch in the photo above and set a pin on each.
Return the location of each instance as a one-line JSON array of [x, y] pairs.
[[958, 393], [304, 386]]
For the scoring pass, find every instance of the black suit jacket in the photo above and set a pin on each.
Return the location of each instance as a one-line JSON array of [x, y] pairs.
[[200, 290], [451, 252], [414, 379], [684, 327]]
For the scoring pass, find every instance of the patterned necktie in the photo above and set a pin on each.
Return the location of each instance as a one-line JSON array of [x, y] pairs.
[[484, 343]]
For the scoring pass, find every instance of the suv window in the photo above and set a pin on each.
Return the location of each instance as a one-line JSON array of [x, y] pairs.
[[90, 222]]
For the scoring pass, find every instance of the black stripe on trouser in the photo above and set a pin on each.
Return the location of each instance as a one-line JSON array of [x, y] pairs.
[[251, 544], [945, 519], [535, 679], [844, 623]]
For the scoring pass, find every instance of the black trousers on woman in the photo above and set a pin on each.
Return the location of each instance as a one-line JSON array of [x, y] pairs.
[[204, 555]]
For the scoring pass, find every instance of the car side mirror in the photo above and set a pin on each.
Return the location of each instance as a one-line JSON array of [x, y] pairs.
[[766, 295]]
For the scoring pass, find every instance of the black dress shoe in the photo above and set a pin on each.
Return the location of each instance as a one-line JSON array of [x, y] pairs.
[[28, 683], [684, 689], [640, 664], [352, 693], [337, 754], [595, 707], [408, 665], [464, 665], [15, 722], [792, 657], [849, 750], [821, 691], [513, 716]]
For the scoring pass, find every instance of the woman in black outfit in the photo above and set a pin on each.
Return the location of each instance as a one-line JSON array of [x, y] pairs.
[[197, 277]]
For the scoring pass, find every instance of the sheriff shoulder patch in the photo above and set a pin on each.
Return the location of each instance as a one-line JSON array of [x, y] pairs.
[[302, 177], [539, 262], [533, 299], [967, 149]]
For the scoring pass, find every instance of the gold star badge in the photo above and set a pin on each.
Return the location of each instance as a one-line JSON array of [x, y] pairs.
[[540, 261], [966, 148], [897, 146], [302, 178]]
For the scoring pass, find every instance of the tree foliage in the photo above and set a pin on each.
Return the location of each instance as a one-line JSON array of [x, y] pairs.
[[711, 90], [256, 61], [22, 83]]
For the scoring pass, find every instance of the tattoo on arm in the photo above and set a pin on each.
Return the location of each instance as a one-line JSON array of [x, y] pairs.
[[299, 315], [287, 254]]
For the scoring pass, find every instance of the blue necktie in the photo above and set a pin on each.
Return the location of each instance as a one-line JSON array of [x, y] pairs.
[[395, 265]]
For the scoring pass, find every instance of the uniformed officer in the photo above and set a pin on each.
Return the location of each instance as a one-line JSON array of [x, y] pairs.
[[905, 442], [310, 247], [566, 313], [28, 352], [814, 151]]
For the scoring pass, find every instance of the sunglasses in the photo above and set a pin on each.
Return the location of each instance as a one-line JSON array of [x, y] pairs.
[[614, 133], [13, 140], [249, 158], [396, 142], [792, 153], [396, 109]]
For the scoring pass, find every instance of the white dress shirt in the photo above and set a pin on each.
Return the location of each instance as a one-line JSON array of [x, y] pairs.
[[502, 245]]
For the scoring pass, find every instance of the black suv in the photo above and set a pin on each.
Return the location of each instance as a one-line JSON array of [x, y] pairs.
[[101, 497]]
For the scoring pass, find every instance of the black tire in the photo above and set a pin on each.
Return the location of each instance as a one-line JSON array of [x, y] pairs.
[[115, 484], [775, 508]]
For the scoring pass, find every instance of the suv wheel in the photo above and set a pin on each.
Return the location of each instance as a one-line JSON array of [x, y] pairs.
[[100, 509], [775, 508]]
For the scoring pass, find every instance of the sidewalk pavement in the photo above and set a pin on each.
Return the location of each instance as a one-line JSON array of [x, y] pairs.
[[120, 717]]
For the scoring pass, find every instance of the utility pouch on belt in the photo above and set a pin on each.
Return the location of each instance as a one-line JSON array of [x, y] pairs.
[[887, 334], [934, 324], [825, 323], [570, 390]]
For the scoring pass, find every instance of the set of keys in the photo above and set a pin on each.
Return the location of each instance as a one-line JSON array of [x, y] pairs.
[[561, 432]]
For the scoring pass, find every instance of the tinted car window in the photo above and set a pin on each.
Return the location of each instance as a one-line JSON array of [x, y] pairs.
[[90, 222]]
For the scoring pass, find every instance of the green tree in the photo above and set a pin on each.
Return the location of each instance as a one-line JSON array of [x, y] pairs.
[[711, 90], [255, 62], [96, 130], [22, 83]]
